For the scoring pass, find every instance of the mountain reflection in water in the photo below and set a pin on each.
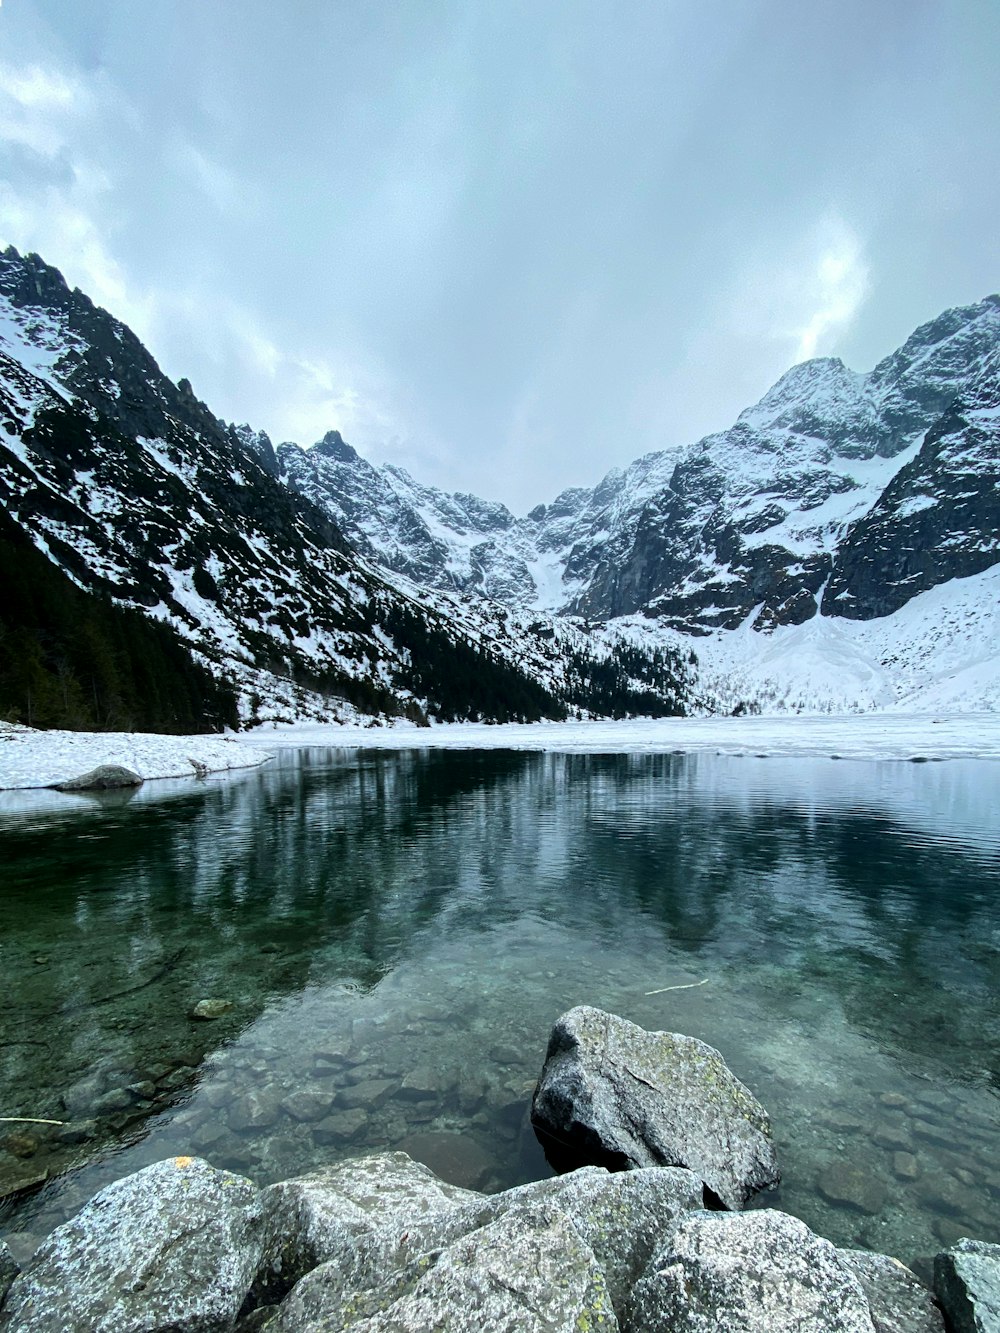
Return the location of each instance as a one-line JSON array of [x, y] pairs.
[[397, 932]]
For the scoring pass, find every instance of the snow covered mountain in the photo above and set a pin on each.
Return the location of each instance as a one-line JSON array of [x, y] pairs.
[[817, 487], [132, 487], [316, 581]]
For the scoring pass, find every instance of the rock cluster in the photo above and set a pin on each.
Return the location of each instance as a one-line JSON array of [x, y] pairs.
[[380, 1244]]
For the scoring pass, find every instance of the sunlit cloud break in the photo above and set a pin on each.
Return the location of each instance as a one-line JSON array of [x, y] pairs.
[[839, 286]]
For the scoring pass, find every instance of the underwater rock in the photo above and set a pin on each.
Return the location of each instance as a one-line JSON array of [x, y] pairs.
[[105, 777], [967, 1282], [456, 1158], [612, 1094], [849, 1186], [211, 1009], [758, 1272], [340, 1127], [173, 1247]]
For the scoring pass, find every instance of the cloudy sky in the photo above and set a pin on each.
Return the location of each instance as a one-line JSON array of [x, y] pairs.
[[506, 244]]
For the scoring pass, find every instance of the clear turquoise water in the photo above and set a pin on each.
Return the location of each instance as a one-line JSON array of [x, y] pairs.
[[397, 933]]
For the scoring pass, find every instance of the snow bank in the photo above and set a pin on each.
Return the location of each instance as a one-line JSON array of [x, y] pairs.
[[853, 736], [30, 758]]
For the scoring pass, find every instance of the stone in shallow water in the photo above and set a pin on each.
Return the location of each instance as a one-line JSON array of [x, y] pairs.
[[340, 1127], [905, 1166], [174, 1247], [967, 1282], [851, 1187], [368, 1094], [612, 1094], [529, 1271], [455, 1158], [756, 1272], [257, 1109], [211, 1008], [307, 1103]]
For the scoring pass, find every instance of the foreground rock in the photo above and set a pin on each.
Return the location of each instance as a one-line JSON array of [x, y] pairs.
[[758, 1272], [105, 777], [625, 1217], [367, 1217], [9, 1269], [898, 1300], [615, 1095], [174, 1247], [529, 1271], [967, 1282]]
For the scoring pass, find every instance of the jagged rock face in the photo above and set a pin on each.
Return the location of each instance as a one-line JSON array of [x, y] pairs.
[[128, 483], [415, 530], [752, 517], [938, 519]]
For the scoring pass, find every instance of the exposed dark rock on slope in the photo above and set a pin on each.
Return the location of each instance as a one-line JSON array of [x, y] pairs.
[[129, 484]]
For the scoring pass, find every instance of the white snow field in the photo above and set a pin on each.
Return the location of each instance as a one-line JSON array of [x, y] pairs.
[[850, 736], [31, 758]]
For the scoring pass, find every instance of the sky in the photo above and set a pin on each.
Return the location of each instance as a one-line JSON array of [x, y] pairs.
[[507, 246]]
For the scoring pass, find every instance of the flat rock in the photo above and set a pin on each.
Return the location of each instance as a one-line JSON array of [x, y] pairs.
[[366, 1216], [259, 1108], [105, 777], [851, 1187], [756, 1272], [173, 1247], [905, 1166], [967, 1282], [368, 1094], [529, 1271], [339, 1127], [305, 1104], [612, 1094], [898, 1300]]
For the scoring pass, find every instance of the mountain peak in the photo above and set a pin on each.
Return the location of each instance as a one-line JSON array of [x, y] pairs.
[[333, 445]]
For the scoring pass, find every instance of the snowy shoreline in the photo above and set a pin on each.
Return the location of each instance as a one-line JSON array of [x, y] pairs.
[[844, 736], [31, 758], [35, 759]]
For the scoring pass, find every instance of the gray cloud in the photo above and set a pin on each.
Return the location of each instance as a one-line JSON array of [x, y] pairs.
[[508, 246]]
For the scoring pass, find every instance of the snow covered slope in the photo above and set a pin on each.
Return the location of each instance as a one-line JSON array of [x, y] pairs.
[[129, 483], [821, 481]]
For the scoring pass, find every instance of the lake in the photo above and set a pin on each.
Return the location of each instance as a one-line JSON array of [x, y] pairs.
[[397, 932]]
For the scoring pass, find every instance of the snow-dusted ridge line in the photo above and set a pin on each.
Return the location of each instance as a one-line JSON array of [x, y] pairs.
[[31, 758], [896, 736]]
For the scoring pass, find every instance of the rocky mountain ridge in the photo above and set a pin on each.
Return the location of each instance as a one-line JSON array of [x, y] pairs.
[[134, 489], [785, 508]]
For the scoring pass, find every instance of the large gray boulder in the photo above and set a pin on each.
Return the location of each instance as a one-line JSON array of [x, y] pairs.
[[625, 1217], [171, 1248], [612, 1094], [898, 1300], [756, 1272], [105, 777], [368, 1216], [528, 1272], [967, 1282]]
